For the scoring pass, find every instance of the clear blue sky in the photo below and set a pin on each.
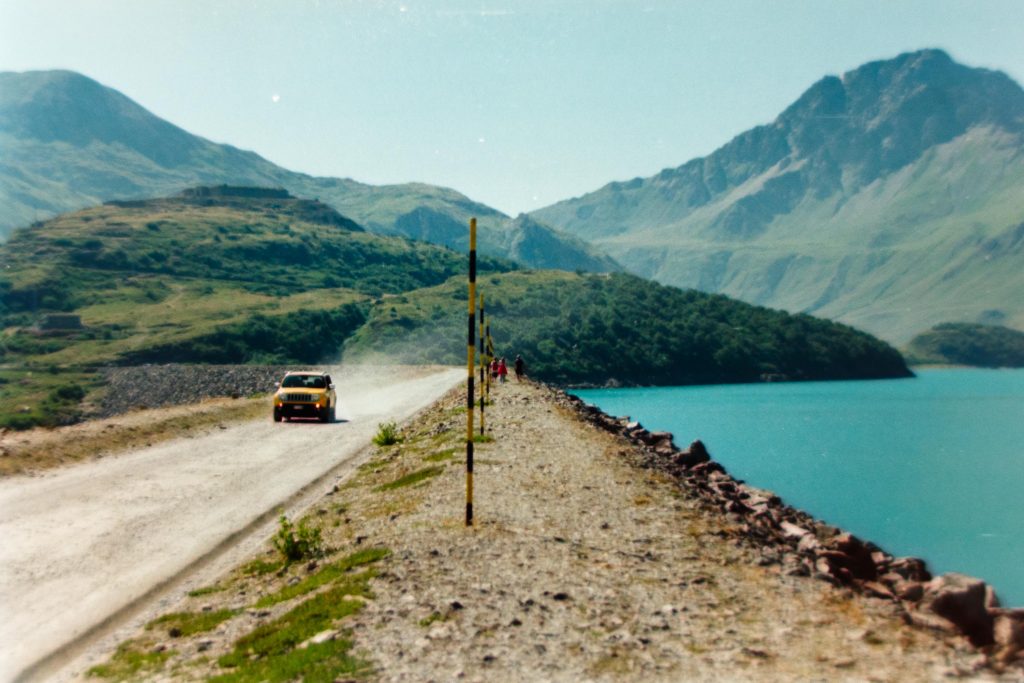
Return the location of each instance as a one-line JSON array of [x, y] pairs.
[[516, 104]]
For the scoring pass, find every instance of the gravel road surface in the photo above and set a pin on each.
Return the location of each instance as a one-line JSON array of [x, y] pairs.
[[83, 543]]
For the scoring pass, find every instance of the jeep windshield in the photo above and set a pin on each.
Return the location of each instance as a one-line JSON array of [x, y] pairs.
[[303, 382]]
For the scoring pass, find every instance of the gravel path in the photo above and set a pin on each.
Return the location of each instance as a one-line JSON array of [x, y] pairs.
[[581, 567]]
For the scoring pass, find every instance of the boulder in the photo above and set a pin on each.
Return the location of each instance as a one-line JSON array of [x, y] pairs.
[[652, 438], [704, 469], [878, 590], [910, 568], [1008, 633], [790, 530], [665, 449], [962, 601], [910, 591], [695, 454], [850, 553], [808, 544]]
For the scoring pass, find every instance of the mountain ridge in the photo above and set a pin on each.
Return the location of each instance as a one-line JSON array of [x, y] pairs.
[[805, 212], [71, 142]]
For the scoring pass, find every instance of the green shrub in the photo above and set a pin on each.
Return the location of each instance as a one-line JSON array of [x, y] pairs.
[[387, 434], [297, 543]]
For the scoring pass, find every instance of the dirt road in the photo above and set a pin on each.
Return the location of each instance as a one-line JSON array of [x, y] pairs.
[[82, 544]]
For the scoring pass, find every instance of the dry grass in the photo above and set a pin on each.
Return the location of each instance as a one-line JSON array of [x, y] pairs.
[[41, 449]]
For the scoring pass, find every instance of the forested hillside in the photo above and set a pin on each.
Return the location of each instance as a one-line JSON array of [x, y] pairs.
[[600, 329]]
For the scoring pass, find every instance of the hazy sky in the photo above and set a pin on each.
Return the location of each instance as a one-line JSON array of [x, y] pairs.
[[516, 104]]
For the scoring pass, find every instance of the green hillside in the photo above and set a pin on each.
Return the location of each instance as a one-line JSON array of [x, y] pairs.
[[222, 275], [69, 142], [888, 198], [249, 275], [594, 329], [987, 346]]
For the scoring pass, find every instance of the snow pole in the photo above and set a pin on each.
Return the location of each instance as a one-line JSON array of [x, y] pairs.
[[469, 378], [483, 369]]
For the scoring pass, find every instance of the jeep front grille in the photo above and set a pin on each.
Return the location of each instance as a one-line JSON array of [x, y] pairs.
[[300, 398]]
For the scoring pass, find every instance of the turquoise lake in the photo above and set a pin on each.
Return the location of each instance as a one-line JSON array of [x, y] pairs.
[[931, 467]]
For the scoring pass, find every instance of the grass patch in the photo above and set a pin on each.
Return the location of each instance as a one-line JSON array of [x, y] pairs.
[[326, 575], [130, 661], [184, 624], [371, 466], [434, 616], [482, 438], [261, 567], [412, 478], [205, 590], [319, 663], [67, 445], [443, 456], [269, 653], [38, 397]]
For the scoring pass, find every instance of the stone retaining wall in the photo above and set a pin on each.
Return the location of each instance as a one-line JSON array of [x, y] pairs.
[[158, 386]]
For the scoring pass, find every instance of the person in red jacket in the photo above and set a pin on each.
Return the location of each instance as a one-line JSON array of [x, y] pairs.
[[502, 371]]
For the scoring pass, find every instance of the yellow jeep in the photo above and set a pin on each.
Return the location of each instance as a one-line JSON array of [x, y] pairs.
[[305, 394]]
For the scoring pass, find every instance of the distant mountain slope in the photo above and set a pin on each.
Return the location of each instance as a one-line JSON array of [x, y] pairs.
[[69, 142], [988, 346], [889, 198]]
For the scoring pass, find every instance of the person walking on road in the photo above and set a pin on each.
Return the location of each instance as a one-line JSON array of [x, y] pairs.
[[494, 369], [520, 367], [502, 371]]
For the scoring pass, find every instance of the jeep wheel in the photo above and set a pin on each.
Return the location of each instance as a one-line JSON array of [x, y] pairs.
[[332, 416], [277, 415], [325, 416]]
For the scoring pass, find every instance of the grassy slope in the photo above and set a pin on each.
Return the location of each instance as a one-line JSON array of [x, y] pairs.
[[174, 275]]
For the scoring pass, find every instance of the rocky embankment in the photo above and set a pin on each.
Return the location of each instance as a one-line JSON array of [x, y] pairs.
[[804, 546], [159, 386]]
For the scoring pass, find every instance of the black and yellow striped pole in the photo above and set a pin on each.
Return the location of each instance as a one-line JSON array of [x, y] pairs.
[[489, 352], [490, 357], [483, 360], [469, 378]]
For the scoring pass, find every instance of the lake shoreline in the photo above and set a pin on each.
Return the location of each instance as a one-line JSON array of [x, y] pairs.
[[807, 546]]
